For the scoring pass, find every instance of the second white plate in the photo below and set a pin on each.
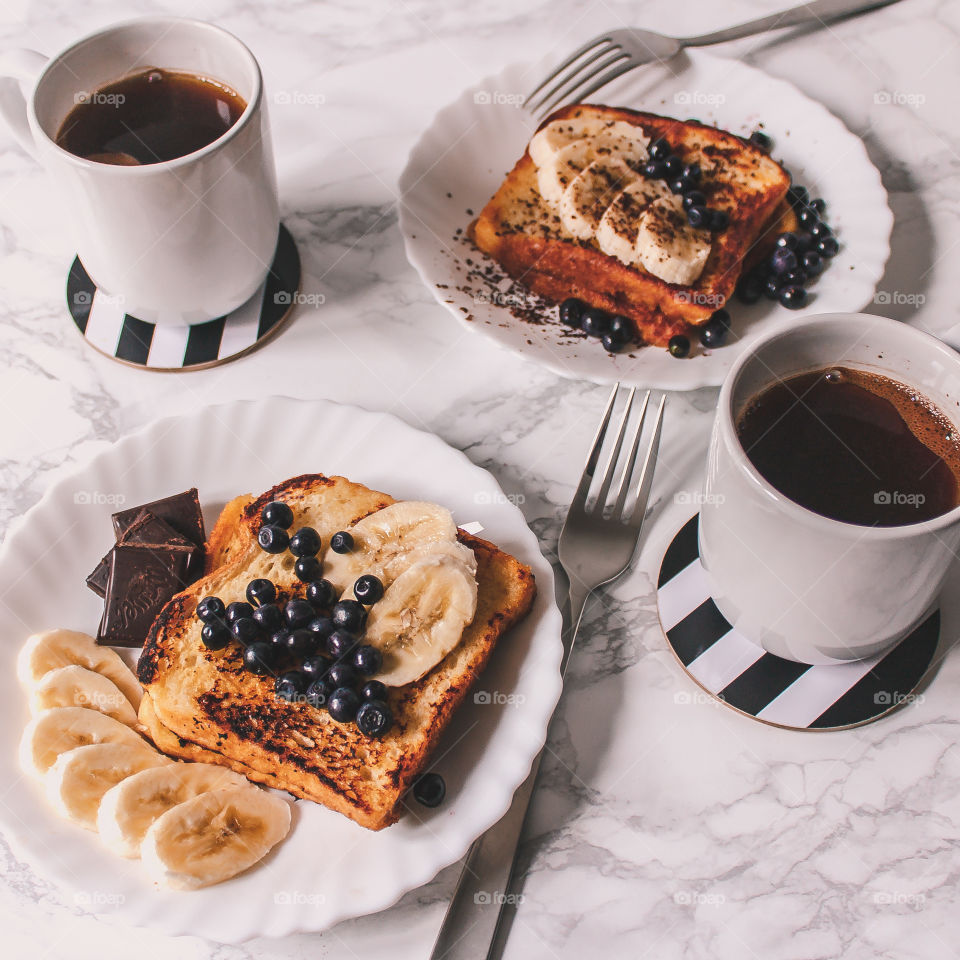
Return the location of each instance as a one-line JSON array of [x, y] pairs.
[[463, 156]]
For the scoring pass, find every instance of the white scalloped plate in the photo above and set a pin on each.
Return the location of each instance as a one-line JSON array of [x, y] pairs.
[[328, 869], [460, 160]]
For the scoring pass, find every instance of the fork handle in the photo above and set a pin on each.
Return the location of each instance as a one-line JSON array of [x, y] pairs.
[[819, 10]]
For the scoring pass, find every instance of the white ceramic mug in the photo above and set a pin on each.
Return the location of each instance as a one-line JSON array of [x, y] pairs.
[[181, 241], [799, 584]]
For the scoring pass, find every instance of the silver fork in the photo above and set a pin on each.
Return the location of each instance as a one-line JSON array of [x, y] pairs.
[[611, 55], [597, 543]]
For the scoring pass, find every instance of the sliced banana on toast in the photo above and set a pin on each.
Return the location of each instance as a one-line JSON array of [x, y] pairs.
[[213, 836], [47, 651], [128, 809], [76, 686], [56, 731], [667, 246], [591, 192], [421, 617]]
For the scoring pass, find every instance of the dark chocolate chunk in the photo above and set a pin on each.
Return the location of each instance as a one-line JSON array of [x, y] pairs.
[[142, 579], [181, 511], [97, 580], [148, 530]]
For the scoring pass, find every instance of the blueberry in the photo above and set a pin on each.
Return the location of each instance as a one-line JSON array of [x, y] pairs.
[[677, 186], [270, 617], [374, 718], [321, 593], [719, 220], [659, 149], [373, 690], [238, 609], [211, 608], [783, 260], [277, 513], [315, 666], [798, 196], [246, 630], [368, 589], [771, 289], [321, 627], [298, 613], [279, 639], [343, 704], [808, 217], [571, 310], [307, 569], [611, 343], [712, 334], [673, 167], [760, 140], [819, 205], [721, 317], [694, 198], [679, 346], [698, 216], [805, 241], [621, 329], [793, 278], [655, 169], [340, 642], [812, 263], [788, 241], [819, 230], [749, 288], [259, 657], [291, 685], [318, 693], [215, 635], [348, 615], [595, 322], [429, 789], [690, 175], [828, 247], [342, 675], [300, 643], [272, 538], [367, 660], [793, 298], [261, 591], [305, 542], [341, 542]]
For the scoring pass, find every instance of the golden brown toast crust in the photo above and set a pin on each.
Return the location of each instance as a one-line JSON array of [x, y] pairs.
[[517, 230], [206, 701]]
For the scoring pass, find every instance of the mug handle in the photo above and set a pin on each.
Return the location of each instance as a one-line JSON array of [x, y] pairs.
[[19, 68]]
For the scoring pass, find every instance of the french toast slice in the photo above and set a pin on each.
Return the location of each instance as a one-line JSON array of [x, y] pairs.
[[204, 704], [526, 236]]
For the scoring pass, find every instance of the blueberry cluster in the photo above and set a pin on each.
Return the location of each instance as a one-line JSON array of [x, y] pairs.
[[798, 258], [614, 332], [316, 635], [684, 179]]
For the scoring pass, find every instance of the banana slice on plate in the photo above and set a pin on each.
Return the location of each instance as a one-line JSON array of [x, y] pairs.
[[56, 731], [421, 617], [213, 836], [667, 246], [128, 809], [620, 224], [590, 193], [80, 777], [76, 686], [558, 133], [59, 648], [384, 542]]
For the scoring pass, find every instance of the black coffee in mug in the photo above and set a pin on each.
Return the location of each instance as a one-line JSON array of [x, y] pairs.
[[854, 446], [149, 117]]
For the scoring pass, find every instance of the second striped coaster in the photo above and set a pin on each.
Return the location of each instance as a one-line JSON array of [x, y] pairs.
[[781, 692]]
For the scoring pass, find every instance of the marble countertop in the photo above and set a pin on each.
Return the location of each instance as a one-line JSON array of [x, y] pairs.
[[666, 826]]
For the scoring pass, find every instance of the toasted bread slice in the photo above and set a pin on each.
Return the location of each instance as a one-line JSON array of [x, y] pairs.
[[525, 235], [203, 704]]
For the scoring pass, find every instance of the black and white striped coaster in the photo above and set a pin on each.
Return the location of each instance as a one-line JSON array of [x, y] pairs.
[[105, 326], [781, 692]]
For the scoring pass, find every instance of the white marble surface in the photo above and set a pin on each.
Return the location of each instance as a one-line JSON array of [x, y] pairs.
[[667, 826]]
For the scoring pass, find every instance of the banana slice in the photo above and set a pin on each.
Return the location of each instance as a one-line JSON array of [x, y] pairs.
[[56, 731], [623, 141], [80, 777], [557, 134], [213, 836], [128, 809], [384, 542], [556, 172], [59, 648], [421, 617], [76, 686], [620, 224], [590, 193], [667, 246]]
